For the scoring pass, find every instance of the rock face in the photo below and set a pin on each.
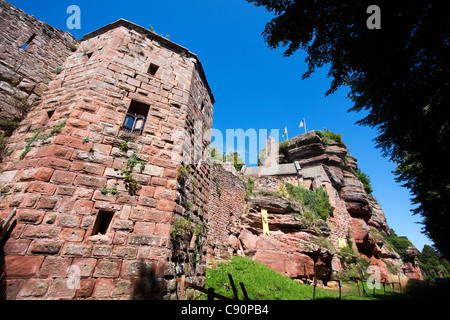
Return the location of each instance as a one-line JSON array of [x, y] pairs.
[[298, 247]]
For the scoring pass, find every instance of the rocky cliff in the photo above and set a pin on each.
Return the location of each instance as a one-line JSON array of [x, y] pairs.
[[350, 236]]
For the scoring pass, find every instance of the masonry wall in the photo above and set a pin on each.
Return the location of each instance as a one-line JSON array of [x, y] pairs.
[[62, 180], [25, 73], [226, 206]]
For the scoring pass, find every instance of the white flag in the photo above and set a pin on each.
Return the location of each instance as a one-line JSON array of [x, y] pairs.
[[302, 124]]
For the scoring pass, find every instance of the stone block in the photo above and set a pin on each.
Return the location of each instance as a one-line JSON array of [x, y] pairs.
[[153, 170], [164, 193], [54, 267], [147, 201], [72, 234], [83, 207], [85, 265], [90, 181], [86, 288], [72, 142], [155, 216], [166, 205], [77, 250], [125, 252], [122, 287], [22, 266], [102, 250], [145, 240], [47, 203], [87, 168], [123, 225], [147, 191], [65, 190], [41, 187], [138, 213], [107, 268], [144, 228], [135, 268], [61, 290], [40, 174], [103, 288], [16, 246], [29, 216], [40, 232], [159, 181], [163, 229], [69, 220], [63, 177], [34, 288], [8, 176], [45, 247], [29, 200]]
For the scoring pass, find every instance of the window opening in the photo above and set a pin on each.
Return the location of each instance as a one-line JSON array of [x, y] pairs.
[[136, 116], [102, 222], [25, 45], [153, 69], [50, 114]]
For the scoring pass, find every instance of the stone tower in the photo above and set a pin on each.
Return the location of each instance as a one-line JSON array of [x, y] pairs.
[[110, 201]]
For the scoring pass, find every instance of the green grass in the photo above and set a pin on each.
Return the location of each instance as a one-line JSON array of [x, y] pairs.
[[262, 283]]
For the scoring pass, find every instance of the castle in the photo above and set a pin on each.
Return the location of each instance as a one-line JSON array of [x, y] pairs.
[[93, 168], [106, 187]]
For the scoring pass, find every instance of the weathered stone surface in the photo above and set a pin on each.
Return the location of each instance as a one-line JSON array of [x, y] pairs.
[[274, 204], [295, 244]]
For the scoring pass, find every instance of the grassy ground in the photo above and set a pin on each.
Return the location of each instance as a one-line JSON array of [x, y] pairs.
[[262, 283]]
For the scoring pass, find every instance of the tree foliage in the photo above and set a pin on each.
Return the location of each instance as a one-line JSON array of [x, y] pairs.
[[399, 243], [233, 157], [365, 180], [433, 265], [399, 74]]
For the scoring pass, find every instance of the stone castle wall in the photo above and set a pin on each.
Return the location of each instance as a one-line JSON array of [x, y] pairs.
[[26, 73], [74, 171]]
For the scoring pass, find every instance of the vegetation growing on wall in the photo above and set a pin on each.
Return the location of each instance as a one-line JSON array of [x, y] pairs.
[[316, 203], [365, 180], [327, 136], [36, 137]]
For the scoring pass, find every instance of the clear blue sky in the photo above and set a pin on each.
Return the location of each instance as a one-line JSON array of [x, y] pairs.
[[254, 86]]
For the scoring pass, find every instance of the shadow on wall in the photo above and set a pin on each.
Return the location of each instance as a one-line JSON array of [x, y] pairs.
[[5, 233], [149, 285], [2, 275]]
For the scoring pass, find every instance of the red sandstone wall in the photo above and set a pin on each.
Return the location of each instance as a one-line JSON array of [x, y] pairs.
[[226, 206], [25, 74], [56, 187]]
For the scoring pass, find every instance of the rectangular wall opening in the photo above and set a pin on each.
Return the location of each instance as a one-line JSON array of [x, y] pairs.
[[50, 114], [136, 116], [30, 39], [102, 222], [153, 69]]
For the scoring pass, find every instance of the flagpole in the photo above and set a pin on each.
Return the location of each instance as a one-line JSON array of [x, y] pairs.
[[304, 120]]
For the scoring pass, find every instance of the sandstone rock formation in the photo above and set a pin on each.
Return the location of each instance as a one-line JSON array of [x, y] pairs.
[[297, 245]]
